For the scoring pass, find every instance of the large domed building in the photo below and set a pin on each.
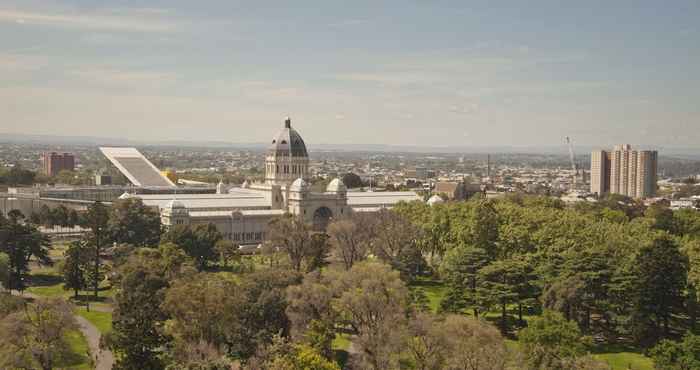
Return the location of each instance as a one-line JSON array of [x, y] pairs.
[[242, 214]]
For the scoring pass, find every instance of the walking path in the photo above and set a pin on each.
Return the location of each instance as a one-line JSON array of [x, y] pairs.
[[103, 359]]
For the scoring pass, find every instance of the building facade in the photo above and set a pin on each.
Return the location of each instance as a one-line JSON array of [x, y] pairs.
[[55, 163], [624, 171], [242, 214]]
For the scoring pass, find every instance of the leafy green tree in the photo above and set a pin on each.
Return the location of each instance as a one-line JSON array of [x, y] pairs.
[[76, 265], [460, 269], [373, 303], [227, 251], [202, 310], [96, 218], [661, 275], [262, 313], [352, 180], [137, 337], [671, 355], [22, 241], [550, 341], [46, 217], [131, 222], [198, 241], [508, 281]]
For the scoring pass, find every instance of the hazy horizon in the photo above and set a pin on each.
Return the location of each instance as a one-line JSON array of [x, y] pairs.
[[392, 73]]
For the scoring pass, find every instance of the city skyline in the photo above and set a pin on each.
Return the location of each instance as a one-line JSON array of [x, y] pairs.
[[397, 73]]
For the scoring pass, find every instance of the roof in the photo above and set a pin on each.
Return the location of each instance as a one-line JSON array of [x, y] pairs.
[[139, 170], [209, 202], [288, 142], [380, 198]]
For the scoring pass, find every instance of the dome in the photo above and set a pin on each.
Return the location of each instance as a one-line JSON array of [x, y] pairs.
[[175, 204], [299, 185], [288, 142], [435, 199], [336, 186]]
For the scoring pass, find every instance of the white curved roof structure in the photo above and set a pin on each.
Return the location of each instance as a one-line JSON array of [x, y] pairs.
[[139, 170]]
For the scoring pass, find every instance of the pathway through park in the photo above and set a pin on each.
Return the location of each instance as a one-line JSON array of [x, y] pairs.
[[104, 360]]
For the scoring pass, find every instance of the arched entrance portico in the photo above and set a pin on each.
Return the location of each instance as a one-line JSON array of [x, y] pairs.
[[322, 217]]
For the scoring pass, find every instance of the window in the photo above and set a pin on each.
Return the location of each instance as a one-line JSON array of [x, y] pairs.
[[284, 142]]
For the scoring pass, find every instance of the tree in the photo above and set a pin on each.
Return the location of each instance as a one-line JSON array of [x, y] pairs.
[[508, 281], [661, 274], [303, 357], [227, 251], [137, 336], [372, 304], [396, 242], [352, 180], [198, 241], [310, 307], [350, 239], [460, 269], [293, 237], [4, 271], [21, 241], [36, 337], [76, 266], [46, 217], [281, 354], [60, 216], [684, 355], [96, 219], [202, 311], [131, 222], [262, 313], [551, 342]]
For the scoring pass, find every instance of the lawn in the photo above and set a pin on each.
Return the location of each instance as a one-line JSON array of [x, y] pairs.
[[623, 358], [434, 290], [78, 359], [101, 320], [340, 346]]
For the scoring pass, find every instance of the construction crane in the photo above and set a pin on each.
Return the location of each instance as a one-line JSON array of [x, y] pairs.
[[574, 177]]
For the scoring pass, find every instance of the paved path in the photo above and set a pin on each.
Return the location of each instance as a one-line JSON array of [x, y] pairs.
[[103, 359]]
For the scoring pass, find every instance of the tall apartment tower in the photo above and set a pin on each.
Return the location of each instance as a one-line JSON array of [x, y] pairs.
[[624, 171], [55, 163]]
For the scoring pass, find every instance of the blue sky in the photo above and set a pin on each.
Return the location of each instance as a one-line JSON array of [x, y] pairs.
[[521, 73]]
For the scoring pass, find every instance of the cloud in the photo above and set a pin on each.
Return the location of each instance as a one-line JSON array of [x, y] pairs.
[[136, 20], [122, 78], [21, 62]]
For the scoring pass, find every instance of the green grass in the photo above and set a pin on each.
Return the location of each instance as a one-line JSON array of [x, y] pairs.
[[434, 290], [340, 346], [78, 359], [623, 357], [101, 320]]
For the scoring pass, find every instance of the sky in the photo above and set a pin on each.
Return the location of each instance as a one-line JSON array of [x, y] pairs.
[[433, 73]]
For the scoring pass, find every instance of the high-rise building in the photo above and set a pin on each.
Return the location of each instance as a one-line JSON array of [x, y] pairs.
[[624, 171], [55, 163]]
